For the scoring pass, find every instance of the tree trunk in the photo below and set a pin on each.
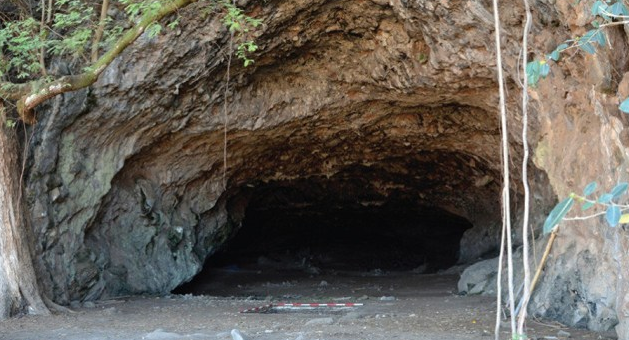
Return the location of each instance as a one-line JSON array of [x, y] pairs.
[[19, 292]]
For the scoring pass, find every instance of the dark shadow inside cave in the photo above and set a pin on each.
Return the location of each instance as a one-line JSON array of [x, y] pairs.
[[394, 236], [307, 228]]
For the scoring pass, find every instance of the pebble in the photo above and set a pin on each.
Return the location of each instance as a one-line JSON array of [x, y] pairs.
[[110, 311], [320, 321], [387, 298], [563, 334], [236, 335], [159, 334]]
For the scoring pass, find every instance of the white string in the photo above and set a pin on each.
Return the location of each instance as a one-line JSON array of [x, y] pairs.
[[505, 166]]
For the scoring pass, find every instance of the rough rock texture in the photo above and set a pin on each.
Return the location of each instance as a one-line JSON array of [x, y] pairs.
[[397, 98], [479, 278]]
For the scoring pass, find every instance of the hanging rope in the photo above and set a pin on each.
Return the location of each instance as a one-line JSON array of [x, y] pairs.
[[506, 221], [525, 158]]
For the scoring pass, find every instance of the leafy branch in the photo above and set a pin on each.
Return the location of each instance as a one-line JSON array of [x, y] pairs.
[[609, 13], [613, 211], [70, 34], [238, 22], [31, 94]]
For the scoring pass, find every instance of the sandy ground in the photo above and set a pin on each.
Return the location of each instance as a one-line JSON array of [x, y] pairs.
[[396, 306]]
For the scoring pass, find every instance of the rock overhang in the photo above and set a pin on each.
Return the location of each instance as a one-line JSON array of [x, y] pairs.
[[388, 97]]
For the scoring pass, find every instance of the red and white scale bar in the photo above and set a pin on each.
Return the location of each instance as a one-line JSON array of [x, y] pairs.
[[299, 306]]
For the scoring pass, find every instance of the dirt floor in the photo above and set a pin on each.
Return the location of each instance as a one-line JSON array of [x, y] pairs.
[[398, 305]]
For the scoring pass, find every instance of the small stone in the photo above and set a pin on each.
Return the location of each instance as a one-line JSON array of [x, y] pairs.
[[75, 304], [159, 334], [364, 297], [323, 283], [55, 194], [387, 298], [236, 335], [563, 334], [320, 321], [110, 311], [89, 304], [352, 316]]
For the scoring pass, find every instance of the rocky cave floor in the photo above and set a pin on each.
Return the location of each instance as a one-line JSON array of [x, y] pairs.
[[396, 305]]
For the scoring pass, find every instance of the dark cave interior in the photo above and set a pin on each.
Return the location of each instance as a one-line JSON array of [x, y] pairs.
[[315, 227]]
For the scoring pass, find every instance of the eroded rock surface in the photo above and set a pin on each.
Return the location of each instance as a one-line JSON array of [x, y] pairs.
[[127, 189]]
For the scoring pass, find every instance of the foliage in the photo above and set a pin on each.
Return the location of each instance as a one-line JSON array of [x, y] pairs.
[[238, 22], [20, 42], [136, 8], [607, 204], [74, 22], [25, 44], [605, 14]]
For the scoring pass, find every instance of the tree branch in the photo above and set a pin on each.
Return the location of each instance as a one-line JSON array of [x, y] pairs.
[[32, 94], [100, 30]]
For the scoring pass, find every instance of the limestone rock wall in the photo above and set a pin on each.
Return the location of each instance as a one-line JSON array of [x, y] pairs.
[[126, 183]]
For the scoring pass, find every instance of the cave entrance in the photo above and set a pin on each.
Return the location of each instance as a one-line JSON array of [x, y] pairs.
[[393, 236], [317, 228]]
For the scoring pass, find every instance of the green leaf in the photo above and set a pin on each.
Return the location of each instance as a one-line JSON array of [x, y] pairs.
[[588, 35], [624, 219], [587, 205], [532, 67], [624, 106], [589, 189], [562, 47], [557, 214], [619, 189], [599, 37], [612, 215], [154, 30], [587, 47], [234, 26], [606, 198], [544, 70], [618, 9], [173, 24], [532, 72], [554, 55], [597, 7]]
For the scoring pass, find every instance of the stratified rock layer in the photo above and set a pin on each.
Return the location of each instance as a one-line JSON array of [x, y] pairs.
[[127, 186]]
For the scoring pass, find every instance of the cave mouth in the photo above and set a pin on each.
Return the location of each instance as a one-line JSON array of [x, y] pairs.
[[392, 236], [307, 228]]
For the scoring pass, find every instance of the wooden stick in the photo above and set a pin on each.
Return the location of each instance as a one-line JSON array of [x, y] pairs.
[[538, 272], [549, 245]]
